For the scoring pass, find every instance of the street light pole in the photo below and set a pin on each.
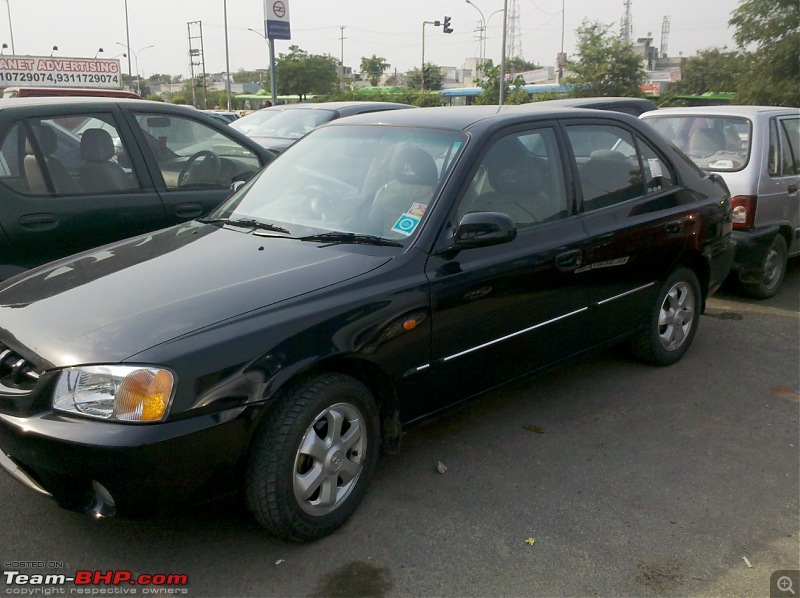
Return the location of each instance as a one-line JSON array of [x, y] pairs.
[[136, 59], [227, 56], [127, 39], [503, 56], [10, 28]]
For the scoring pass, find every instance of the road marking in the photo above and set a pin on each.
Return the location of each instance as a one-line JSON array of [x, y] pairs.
[[747, 307]]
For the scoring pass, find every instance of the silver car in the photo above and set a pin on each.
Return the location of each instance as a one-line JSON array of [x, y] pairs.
[[756, 150]]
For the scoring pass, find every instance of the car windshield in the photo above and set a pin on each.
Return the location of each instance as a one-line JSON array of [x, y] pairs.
[[716, 143], [292, 124], [376, 181], [253, 120]]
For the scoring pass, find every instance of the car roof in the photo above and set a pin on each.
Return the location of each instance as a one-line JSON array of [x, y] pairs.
[[464, 117], [338, 106], [13, 103], [745, 111], [606, 103]]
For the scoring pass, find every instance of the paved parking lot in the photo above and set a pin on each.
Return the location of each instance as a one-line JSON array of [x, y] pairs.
[[606, 477]]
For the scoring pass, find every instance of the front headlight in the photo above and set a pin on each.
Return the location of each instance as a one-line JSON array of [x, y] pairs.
[[115, 392]]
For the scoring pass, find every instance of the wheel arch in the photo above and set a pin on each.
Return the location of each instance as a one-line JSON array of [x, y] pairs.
[[699, 265], [377, 381]]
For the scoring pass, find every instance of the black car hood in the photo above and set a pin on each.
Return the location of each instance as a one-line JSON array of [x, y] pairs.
[[116, 301]]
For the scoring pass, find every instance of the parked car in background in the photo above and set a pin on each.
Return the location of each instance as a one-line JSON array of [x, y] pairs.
[[632, 106], [222, 115], [756, 150], [385, 268], [278, 127], [76, 173]]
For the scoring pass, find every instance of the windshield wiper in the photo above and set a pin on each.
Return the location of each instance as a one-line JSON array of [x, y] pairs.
[[351, 238], [251, 223]]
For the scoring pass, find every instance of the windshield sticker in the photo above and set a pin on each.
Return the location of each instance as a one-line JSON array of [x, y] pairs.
[[406, 224], [655, 167], [417, 209]]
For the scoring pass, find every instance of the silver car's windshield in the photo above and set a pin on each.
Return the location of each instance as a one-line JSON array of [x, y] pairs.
[[718, 143], [364, 180]]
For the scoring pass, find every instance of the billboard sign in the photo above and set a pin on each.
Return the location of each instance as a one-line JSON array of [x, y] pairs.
[[46, 71], [276, 16]]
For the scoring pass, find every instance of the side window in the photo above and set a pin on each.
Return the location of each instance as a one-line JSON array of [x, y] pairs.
[[773, 160], [657, 173], [521, 175], [790, 145], [191, 154], [11, 173], [608, 167], [67, 155]]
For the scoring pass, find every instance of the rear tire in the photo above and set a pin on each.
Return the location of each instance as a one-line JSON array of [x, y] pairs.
[[312, 458], [772, 271], [672, 322]]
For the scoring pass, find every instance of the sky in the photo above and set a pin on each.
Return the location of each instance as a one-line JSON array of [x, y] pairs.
[[159, 34]]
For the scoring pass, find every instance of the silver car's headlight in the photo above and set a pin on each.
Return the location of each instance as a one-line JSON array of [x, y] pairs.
[[115, 392]]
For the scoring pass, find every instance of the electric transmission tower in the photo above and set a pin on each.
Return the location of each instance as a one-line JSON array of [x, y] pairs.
[[196, 59], [514, 35], [626, 25]]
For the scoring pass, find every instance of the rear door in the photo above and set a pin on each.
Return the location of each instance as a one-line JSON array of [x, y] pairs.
[[634, 214], [72, 179]]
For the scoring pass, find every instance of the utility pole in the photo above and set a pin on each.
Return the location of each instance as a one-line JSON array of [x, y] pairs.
[[341, 60], [503, 56], [196, 58], [227, 56]]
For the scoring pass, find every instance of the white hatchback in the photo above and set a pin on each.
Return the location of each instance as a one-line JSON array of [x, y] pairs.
[[756, 150]]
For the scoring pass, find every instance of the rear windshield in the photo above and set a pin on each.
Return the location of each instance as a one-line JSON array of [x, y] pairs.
[[715, 143]]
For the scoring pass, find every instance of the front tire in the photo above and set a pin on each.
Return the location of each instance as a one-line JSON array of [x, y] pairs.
[[672, 322], [313, 457], [772, 271]]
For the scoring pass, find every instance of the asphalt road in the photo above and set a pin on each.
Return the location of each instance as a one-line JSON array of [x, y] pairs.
[[628, 480]]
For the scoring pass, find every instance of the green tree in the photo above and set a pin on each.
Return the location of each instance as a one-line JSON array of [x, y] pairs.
[[770, 73], [713, 69], [489, 79], [300, 73], [606, 65], [374, 68], [518, 64], [433, 78]]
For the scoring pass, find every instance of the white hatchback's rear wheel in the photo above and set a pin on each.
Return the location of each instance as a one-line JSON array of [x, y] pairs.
[[772, 271], [312, 458]]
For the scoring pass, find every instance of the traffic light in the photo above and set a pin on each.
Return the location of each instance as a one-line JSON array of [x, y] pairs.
[[446, 26]]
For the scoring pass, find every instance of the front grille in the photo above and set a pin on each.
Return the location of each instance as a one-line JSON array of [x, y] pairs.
[[15, 371]]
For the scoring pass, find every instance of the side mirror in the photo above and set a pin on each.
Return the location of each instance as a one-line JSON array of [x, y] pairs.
[[235, 186], [482, 229]]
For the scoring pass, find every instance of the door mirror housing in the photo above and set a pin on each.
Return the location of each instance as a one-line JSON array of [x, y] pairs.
[[482, 229]]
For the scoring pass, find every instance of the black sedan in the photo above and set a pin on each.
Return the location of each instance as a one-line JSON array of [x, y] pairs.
[[381, 270], [77, 173]]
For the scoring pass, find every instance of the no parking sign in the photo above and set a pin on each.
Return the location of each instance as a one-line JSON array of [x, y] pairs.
[[276, 15]]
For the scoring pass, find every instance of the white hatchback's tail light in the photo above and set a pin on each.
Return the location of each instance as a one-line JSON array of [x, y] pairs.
[[744, 211]]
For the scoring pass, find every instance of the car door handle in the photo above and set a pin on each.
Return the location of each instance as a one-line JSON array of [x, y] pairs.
[[674, 228], [569, 260], [43, 221], [792, 189], [188, 210]]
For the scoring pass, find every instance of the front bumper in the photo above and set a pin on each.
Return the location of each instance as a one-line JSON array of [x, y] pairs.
[[111, 468]]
